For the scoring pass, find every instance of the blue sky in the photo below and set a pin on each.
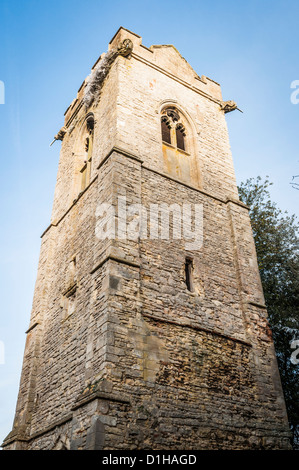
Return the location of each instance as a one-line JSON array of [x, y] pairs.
[[47, 48]]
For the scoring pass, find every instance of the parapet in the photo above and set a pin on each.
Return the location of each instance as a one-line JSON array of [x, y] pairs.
[[165, 58]]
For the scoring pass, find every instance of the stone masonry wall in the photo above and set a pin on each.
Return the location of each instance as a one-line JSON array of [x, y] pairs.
[[120, 354]]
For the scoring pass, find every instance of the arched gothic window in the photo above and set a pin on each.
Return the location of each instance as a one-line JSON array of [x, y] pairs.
[[172, 128]]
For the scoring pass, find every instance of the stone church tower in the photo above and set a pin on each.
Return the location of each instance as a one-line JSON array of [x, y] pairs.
[[148, 327]]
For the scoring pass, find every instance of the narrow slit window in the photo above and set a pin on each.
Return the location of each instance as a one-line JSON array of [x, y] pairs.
[[180, 138], [189, 274], [88, 145], [165, 131], [90, 125]]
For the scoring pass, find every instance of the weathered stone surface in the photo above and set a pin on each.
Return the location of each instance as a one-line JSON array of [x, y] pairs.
[[120, 354]]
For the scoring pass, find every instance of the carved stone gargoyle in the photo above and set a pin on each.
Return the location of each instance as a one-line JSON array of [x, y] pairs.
[[60, 135], [228, 106], [125, 48]]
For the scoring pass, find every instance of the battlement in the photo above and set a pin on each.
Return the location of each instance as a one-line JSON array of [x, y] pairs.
[[165, 58]]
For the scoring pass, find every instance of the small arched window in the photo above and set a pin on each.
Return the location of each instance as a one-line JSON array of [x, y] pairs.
[[86, 169], [172, 128], [179, 144]]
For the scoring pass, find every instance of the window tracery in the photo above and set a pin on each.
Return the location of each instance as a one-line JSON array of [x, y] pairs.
[[173, 129]]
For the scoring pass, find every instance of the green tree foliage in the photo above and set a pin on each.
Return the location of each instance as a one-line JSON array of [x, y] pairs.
[[277, 245]]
